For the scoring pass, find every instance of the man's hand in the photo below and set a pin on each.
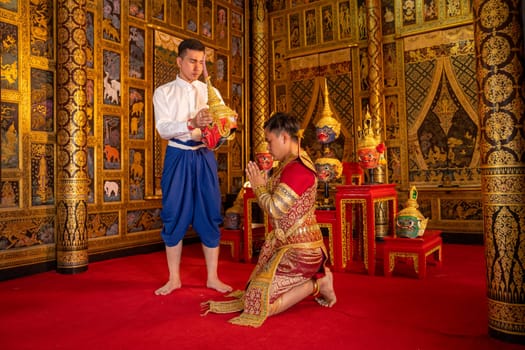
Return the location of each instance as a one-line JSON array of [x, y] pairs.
[[202, 119]]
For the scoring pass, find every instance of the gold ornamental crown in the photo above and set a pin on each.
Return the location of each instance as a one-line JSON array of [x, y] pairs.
[[327, 118], [219, 111], [370, 134], [334, 162], [262, 147], [223, 116]]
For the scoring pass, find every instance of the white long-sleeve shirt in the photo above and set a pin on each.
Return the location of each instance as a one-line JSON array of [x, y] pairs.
[[175, 103]]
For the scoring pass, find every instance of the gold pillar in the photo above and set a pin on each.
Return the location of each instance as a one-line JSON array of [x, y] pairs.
[[260, 110], [375, 58], [71, 164], [375, 72], [500, 73], [376, 83]]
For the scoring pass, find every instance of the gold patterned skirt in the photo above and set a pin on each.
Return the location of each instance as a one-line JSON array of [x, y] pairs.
[[277, 272]]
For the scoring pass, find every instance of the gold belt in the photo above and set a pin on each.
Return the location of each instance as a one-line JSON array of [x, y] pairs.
[[310, 245], [307, 229]]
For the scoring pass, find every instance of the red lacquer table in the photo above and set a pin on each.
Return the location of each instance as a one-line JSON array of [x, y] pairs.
[[328, 219], [232, 239], [244, 239], [366, 197], [251, 229], [417, 249]]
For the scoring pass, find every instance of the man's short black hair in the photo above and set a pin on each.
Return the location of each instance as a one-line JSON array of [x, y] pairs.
[[280, 122], [190, 44]]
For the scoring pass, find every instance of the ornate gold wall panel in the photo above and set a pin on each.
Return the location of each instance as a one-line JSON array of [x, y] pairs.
[[417, 17], [306, 95], [459, 208], [28, 182], [442, 124]]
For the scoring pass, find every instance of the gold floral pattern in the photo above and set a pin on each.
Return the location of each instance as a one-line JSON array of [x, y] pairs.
[[495, 50], [72, 235], [498, 88], [500, 72], [499, 127], [493, 13]]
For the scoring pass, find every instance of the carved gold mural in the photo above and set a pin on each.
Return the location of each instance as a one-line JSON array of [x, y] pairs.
[[443, 127]]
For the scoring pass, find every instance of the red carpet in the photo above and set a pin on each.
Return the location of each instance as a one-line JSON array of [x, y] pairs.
[[112, 306]]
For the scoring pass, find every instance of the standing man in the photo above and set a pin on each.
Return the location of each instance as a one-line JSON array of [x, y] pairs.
[[190, 184]]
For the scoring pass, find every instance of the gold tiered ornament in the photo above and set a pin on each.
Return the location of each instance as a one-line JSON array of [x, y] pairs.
[[224, 121], [370, 148], [329, 168], [327, 127]]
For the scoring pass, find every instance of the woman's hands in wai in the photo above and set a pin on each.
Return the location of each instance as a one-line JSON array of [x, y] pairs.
[[255, 175]]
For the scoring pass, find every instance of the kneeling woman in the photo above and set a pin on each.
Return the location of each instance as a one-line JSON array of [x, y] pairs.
[[291, 263]]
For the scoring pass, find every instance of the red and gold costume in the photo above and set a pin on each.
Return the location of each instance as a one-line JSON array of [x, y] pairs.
[[293, 252]]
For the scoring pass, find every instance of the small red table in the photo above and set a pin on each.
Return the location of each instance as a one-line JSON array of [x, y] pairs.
[[417, 249], [364, 196], [328, 219], [233, 239], [251, 230]]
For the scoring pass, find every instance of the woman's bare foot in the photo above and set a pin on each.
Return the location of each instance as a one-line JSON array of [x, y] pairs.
[[326, 289], [169, 287], [219, 286]]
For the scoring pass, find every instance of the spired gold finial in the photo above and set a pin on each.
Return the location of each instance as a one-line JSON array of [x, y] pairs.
[[327, 112], [223, 116], [327, 120], [369, 135], [224, 119], [412, 198]]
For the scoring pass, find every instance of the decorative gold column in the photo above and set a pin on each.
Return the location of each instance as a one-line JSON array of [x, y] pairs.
[[500, 74], [260, 82], [375, 72], [376, 99], [71, 163]]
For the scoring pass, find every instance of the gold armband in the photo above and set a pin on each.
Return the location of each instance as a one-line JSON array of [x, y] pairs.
[[316, 292], [259, 190]]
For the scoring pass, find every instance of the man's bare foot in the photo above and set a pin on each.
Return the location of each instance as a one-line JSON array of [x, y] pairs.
[[169, 287], [219, 286], [326, 288]]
